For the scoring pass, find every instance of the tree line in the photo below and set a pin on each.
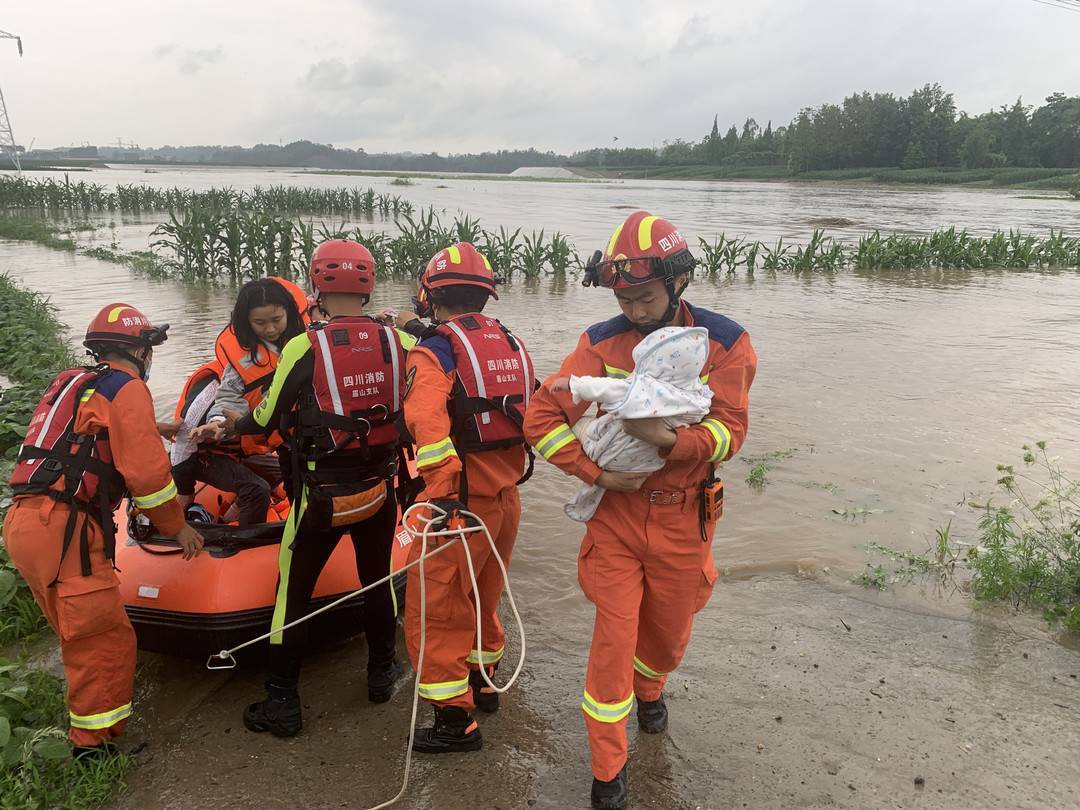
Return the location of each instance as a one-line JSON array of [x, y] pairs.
[[879, 130], [866, 130]]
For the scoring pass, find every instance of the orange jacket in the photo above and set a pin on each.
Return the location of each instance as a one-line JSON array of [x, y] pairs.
[[137, 451], [606, 349], [429, 381]]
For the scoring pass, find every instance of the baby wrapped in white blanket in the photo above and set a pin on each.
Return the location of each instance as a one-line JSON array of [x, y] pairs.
[[666, 382]]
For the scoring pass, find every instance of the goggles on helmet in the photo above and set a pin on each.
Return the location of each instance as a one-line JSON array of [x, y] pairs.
[[156, 335], [638, 270]]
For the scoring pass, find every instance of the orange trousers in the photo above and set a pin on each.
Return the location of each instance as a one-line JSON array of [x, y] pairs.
[[97, 642], [648, 572], [450, 650]]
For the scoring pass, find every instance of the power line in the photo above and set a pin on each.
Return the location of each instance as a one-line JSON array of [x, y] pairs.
[[1066, 5]]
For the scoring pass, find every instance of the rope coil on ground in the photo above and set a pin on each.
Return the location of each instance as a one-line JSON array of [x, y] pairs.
[[435, 515]]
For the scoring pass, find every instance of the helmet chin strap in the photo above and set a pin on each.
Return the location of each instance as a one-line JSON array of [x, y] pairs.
[[673, 299]]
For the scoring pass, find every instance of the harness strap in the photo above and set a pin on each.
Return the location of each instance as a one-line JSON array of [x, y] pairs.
[[259, 383]]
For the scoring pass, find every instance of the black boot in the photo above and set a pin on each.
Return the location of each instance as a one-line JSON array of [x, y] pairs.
[[454, 730], [652, 715], [485, 699], [611, 795], [94, 753], [380, 682], [280, 713]]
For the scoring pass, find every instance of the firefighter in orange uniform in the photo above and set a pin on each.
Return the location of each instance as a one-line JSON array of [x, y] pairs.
[[469, 380], [646, 559], [336, 394], [92, 439]]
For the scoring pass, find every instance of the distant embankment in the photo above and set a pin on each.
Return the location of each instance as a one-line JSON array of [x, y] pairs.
[[554, 173]]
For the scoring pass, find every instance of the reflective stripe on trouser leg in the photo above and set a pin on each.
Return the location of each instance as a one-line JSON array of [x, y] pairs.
[[443, 690], [101, 719], [97, 642], [606, 712], [285, 553], [450, 623], [485, 657]]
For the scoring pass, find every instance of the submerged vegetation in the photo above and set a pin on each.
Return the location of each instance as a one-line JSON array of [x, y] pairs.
[[1026, 552], [53, 196], [201, 244], [948, 248]]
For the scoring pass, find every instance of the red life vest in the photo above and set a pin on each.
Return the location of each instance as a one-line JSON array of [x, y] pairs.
[[495, 380], [358, 382], [53, 450]]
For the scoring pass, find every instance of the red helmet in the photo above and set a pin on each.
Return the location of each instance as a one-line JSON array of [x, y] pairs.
[[122, 323], [458, 265], [642, 249], [342, 266]]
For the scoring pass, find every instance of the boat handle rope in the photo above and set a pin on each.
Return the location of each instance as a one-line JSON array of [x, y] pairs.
[[225, 659]]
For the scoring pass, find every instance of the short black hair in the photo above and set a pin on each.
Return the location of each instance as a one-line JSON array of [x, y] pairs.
[[100, 349], [461, 297], [260, 293]]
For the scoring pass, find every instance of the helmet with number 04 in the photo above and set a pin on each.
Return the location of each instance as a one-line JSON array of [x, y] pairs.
[[342, 266], [644, 248]]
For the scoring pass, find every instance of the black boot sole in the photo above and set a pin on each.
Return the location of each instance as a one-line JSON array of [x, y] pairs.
[[423, 744], [259, 727]]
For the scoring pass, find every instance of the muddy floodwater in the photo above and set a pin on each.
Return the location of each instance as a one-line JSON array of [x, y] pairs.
[[880, 401]]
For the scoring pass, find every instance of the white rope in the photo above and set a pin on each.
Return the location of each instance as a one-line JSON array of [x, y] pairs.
[[436, 514]]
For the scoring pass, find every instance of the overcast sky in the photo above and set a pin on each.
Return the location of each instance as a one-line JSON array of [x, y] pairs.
[[469, 76]]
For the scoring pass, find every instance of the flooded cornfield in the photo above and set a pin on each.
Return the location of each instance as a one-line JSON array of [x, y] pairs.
[[882, 400]]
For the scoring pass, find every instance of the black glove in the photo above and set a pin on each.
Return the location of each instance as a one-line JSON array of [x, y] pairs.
[[453, 510]]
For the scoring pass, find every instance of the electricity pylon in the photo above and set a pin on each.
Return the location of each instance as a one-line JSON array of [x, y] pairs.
[[7, 137]]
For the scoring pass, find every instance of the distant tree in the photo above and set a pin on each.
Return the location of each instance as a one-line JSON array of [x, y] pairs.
[[975, 151]]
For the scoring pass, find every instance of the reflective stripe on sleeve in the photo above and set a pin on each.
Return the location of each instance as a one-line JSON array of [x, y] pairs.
[[163, 495], [606, 712], [721, 435], [554, 441], [616, 372], [434, 453], [100, 720]]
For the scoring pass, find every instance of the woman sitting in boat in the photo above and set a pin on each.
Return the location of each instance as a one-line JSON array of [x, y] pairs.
[[269, 312]]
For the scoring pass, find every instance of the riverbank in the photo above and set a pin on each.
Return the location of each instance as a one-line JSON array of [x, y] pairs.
[[907, 708], [1044, 179]]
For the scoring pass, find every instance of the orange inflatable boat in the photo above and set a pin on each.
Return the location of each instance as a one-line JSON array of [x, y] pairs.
[[225, 596]]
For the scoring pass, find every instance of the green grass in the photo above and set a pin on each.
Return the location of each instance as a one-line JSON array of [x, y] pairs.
[[32, 350], [1026, 552], [36, 769]]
